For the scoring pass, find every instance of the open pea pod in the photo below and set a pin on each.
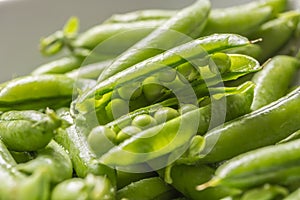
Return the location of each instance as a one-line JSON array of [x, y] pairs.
[[172, 136], [100, 95]]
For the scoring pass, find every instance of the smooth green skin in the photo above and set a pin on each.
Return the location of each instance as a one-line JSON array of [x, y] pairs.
[[27, 130], [197, 47], [268, 164], [253, 50], [276, 33], [91, 188], [83, 159], [152, 88], [189, 22], [36, 92], [59, 66], [239, 20], [101, 139], [132, 32], [267, 192], [293, 196], [125, 178], [91, 71], [219, 63], [264, 126], [273, 81], [53, 159], [130, 91], [116, 108], [150, 188], [143, 121], [185, 178], [141, 15]]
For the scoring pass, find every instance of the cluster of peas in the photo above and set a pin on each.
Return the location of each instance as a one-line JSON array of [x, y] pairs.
[[167, 104]]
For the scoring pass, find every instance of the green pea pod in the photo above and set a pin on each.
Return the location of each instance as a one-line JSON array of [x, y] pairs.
[[55, 161], [36, 92], [150, 188], [130, 33], [83, 159], [15, 185], [141, 15], [90, 188], [273, 81], [272, 164], [189, 22], [265, 126], [91, 71], [134, 150], [282, 28], [59, 66], [171, 58], [239, 20], [267, 192], [293, 196], [187, 177], [243, 19], [35, 187], [125, 178], [28, 130]]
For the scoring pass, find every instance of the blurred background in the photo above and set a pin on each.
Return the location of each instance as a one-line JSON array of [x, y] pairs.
[[24, 22]]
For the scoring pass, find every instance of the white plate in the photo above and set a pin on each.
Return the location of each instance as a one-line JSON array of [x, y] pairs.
[[24, 22]]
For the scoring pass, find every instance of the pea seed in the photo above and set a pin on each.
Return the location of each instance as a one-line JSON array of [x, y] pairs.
[[116, 108], [130, 91], [185, 108], [127, 132], [166, 75], [101, 139], [152, 88], [144, 121], [187, 72], [219, 63], [165, 114]]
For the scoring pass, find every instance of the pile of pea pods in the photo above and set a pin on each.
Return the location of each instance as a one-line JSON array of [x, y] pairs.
[[197, 103]]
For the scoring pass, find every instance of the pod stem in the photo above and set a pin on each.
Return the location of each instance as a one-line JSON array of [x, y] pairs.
[[212, 183]]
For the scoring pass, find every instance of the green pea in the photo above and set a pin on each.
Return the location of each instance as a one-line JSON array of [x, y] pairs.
[[165, 114], [187, 71], [152, 88], [127, 132], [116, 108], [101, 139], [92, 188], [166, 75], [219, 63], [130, 91], [143, 121], [185, 108]]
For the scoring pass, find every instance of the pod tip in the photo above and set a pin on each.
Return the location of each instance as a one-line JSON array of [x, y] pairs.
[[211, 183]]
